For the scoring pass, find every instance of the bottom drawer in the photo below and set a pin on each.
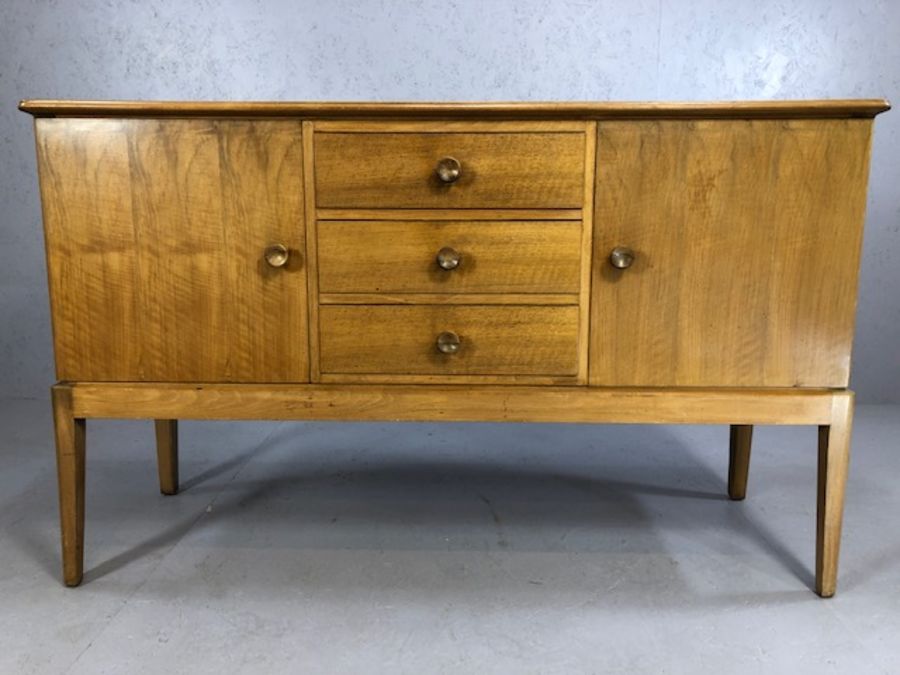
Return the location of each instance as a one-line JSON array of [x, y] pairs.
[[448, 340]]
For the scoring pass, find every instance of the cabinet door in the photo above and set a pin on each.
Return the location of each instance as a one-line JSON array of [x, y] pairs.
[[746, 237], [156, 232]]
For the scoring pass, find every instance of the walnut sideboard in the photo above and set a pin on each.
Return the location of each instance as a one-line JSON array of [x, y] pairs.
[[571, 262]]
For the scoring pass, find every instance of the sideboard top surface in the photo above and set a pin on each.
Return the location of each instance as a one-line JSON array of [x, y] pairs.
[[543, 110]]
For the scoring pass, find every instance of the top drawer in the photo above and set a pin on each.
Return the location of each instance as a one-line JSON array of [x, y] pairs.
[[522, 170]]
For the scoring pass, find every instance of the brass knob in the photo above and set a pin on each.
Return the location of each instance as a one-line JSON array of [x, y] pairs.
[[621, 257], [276, 255], [448, 169], [448, 342], [448, 258]]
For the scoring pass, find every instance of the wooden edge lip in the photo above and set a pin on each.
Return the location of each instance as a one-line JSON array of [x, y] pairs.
[[480, 403], [462, 110], [737, 391]]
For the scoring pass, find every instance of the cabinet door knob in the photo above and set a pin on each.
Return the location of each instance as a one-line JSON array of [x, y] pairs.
[[448, 169], [448, 258], [621, 257], [276, 255], [448, 342]]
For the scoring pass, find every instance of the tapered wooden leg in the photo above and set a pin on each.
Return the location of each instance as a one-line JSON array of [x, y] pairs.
[[167, 455], [739, 460], [834, 459], [70, 436]]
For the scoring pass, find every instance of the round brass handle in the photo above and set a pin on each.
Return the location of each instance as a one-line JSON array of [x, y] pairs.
[[448, 258], [448, 342], [621, 257], [448, 170], [276, 255]]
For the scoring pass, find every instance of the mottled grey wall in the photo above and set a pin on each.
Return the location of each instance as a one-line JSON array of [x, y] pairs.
[[442, 50]]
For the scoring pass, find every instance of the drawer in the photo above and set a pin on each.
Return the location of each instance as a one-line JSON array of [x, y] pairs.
[[449, 257], [495, 170], [493, 339]]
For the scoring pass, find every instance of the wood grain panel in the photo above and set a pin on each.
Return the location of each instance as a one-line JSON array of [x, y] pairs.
[[747, 237], [496, 340], [495, 257], [499, 170], [155, 232]]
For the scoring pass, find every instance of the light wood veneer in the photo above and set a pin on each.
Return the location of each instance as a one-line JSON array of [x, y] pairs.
[[154, 235], [280, 261], [502, 257]]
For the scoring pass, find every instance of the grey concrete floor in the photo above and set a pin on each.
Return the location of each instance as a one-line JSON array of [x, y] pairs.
[[424, 548]]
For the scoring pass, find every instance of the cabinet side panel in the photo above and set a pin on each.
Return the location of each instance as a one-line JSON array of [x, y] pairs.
[[155, 238], [92, 256], [747, 238]]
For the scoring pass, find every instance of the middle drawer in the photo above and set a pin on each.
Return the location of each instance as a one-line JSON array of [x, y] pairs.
[[449, 256]]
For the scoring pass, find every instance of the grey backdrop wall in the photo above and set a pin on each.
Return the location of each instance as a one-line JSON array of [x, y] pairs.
[[442, 50]]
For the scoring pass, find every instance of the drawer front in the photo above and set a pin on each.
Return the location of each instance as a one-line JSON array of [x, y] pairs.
[[449, 257], [403, 170], [493, 340]]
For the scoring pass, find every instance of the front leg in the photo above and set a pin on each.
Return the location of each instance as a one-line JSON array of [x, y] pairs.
[[70, 452], [834, 458]]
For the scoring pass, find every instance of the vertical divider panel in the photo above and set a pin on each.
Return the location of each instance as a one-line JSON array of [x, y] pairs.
[[309, 192], [587, 245]]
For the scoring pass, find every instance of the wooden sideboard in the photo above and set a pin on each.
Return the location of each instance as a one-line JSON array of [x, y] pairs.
[[563, 262]]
